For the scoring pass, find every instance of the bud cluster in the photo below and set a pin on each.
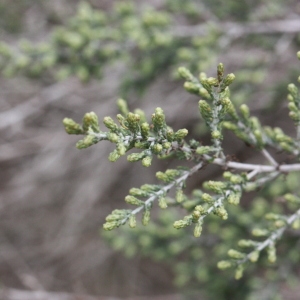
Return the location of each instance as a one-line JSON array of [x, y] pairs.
[[117, 218], [90, 127], [132, 132]]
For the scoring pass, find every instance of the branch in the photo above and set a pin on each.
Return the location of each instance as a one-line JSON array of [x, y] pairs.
[[15, 294], [48, 95], [251, 167], [236, 30], [272, 238]]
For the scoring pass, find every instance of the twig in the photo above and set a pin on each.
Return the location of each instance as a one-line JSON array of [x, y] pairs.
[[251, 167], [269, 157], [165, 189], [273, 237], [15, 294], [236, 30], [50, 94]]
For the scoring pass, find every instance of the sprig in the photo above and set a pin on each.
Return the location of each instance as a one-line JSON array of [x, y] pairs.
[[280, 225], [172, 178], [156, 138], [132, 132]]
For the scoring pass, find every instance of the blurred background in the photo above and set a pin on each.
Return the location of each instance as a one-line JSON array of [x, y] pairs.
[[54, 198]]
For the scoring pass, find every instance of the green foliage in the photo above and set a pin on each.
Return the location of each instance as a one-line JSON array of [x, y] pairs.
[[195, 258], [218, 112], [147, 41]]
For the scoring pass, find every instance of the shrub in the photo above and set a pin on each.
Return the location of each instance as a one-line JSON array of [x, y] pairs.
[[228, 232]]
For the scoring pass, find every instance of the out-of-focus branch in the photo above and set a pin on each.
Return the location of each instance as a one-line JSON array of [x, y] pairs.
[[14, 294], [236, 30], [50, 94]]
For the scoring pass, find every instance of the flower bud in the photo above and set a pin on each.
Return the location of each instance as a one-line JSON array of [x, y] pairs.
[[215, 186], [122, 120], [296, 224], [191, 87], [112, 137], [229, 79], [206, 85], [292, 198], [113, 156], [185, 73], [146, 161], [239, 272], [205, 111], [167, 145], [272, 254], [138, 192], [133, 200], [203, 150], [162, 176], [132, 221], [216, 135], [207, 197], [221, 212], [162, 202], [224, 264], [220, 71], [292, 106], [226, 106], [135, 157], [109, 123], [246, 243], [110, 225], [179, 224], [123, 107], [230, 126], [290, 98], [170, 135], [121, 148], [146, 217], [260, 232], [272, 217], [145, 130], [212, 81], [227, 175], [90, 120], [157, 148], [88, 141], [197, 230], [181, 134], [172, 173], [234, 198], [204, 93], [158, 118], [133, 121], [187, 220], [142, 115], [253, 256], [112, 217], [72, 127], [179, 195], [236, 179], [293, 90], [235, 254], [295, 116], [245, 111], [196, 215]]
